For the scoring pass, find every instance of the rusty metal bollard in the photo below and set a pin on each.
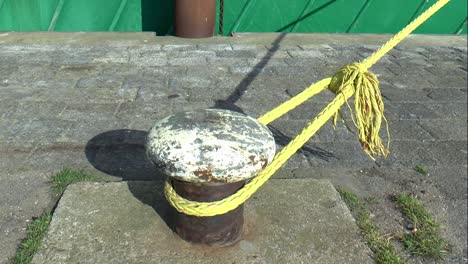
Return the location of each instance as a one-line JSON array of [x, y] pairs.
[[195, 18], [209, 155]]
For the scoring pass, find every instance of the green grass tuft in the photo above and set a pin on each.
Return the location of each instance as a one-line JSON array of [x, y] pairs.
[[60, 181], [383, 249], [424, 239], [35, 233], [421, 170], [38, 227]]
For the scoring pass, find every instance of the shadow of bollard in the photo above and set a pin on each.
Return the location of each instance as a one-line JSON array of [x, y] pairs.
[[152, 194], [121, 153], [308, 151]]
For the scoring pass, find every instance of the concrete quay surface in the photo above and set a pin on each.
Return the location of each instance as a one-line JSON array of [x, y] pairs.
[[289, 221], [86, 100]]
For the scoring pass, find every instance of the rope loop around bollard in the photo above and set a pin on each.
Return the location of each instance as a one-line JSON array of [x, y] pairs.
[[351, 80]]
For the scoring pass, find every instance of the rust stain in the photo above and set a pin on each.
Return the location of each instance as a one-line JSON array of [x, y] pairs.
[[78, 68], [264, 162], [217, 231], [46, 148], [16, 150], [61, 148], [206, 174], [250, 229], [67, 147]]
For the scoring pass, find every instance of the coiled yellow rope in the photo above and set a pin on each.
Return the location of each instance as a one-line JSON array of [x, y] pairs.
[[368, 114]]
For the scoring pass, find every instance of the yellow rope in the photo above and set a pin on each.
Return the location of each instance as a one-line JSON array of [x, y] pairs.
[[368, 114]]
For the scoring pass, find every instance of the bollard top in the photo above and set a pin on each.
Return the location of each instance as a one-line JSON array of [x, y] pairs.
[[210, 145]]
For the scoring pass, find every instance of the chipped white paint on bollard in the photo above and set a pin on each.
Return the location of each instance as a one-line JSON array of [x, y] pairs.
[[210, 154], [210, 146]]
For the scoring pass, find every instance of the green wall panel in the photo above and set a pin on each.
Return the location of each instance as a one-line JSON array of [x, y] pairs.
[[290, 16], [70, 15], [340, 16], [157, 16], [384, 16], [328, 16], [245, 15], [26, 15], [447, 21], [463, 28], [130, 19], [335, 16]]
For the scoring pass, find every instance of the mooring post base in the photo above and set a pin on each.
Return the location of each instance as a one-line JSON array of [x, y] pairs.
[[221, 230], [208, 155]]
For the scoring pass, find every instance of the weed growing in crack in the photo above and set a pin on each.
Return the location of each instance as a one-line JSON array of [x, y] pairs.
[[35, 233], [383, 249], [60, 181], [423, 240]]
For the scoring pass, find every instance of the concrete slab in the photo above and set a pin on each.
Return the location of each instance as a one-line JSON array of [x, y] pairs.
[[287, 221], [24, 193]]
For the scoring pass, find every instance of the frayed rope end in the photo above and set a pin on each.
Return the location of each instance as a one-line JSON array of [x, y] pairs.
[[368, 106]]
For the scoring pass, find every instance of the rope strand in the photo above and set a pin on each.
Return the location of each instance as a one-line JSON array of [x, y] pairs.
[[368, 115]]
